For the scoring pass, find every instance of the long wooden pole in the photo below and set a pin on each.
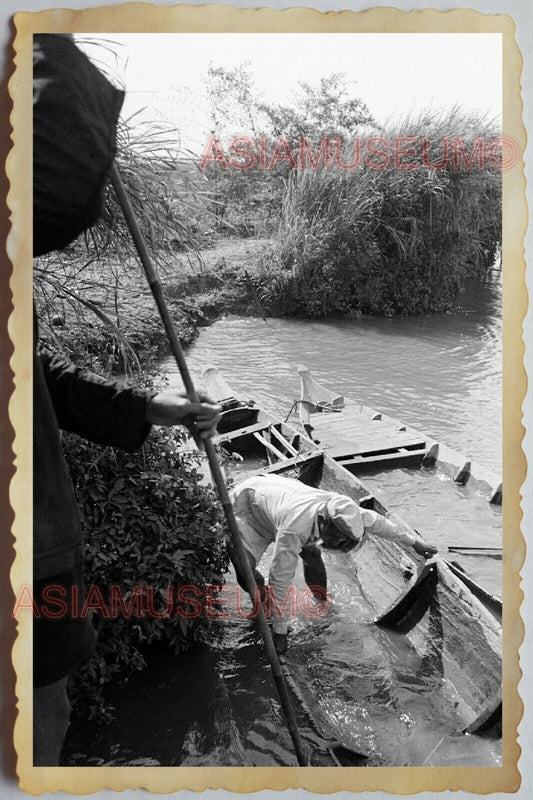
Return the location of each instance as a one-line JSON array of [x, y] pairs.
[[239, 553]]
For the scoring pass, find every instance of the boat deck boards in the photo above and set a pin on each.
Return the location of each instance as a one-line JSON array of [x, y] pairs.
[[353, 434]]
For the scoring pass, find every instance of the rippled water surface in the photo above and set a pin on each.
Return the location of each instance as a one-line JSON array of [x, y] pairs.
[[441, 374], [218, 706]]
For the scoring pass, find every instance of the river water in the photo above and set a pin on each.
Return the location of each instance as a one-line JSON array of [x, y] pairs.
[[440, 374], [217, 705]]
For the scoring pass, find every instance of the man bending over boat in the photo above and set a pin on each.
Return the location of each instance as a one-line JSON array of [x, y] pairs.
[[297, 518]]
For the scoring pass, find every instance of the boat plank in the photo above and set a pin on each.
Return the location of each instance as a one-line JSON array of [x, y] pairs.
[[353, 414], [355, 448], [342, 417], [345, 424], [370, 428], [238, 434], [347, 419], [282, 466], [396, 458]]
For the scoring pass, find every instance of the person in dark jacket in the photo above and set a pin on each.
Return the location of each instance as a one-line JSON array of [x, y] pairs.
[[104, 412], [75, 113]]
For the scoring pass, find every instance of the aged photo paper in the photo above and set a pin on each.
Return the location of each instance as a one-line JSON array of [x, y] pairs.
[[227, 765]]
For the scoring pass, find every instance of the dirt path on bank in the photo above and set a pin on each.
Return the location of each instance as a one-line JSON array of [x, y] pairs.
[[94, 311]]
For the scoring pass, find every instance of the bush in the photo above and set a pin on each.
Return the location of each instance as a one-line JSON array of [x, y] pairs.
[[386, 240], [148, 522]]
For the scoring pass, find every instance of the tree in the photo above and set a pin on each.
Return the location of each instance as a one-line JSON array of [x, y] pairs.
[[249, 191], [234, 101], [327, 109], [239, 195]]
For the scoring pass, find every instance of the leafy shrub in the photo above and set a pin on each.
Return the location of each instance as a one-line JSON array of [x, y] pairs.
[[148, 522]]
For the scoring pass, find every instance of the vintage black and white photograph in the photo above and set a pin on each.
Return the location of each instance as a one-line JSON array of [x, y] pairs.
[[267, 399]]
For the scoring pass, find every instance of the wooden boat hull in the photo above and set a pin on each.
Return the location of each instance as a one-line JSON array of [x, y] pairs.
[[427, 621], [265, 436], [454, 633], [361, 438]]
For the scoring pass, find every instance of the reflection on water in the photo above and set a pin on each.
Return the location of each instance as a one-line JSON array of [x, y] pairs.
[[366, 687]]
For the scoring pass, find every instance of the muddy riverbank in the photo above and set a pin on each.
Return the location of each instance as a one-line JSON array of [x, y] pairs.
[[102, 314]]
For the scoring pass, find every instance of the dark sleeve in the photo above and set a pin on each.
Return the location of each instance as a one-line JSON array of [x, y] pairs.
[[100, 410]]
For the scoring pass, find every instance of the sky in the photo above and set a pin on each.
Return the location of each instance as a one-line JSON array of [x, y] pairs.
[[165, 74]]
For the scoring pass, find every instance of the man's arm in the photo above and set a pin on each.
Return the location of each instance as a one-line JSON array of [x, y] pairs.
[[100, 410], [379, 525], [284, 562], [108, 413], [315, 571]]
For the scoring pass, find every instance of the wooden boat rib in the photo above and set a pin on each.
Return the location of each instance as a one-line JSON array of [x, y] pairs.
[[451, 624], [359, 437]]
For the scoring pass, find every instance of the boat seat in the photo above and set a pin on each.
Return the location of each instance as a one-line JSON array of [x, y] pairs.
[[376, 445], [393, 458]]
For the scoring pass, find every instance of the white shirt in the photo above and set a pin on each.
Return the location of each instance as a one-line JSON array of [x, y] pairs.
[[285, 511]]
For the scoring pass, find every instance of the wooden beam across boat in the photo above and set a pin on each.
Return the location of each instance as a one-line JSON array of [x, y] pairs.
[[390, 458], [251, 438], [283, 466], [361, 437]]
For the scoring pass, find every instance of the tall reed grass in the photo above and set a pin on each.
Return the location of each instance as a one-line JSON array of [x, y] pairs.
[[388, 240], [95, 285]]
